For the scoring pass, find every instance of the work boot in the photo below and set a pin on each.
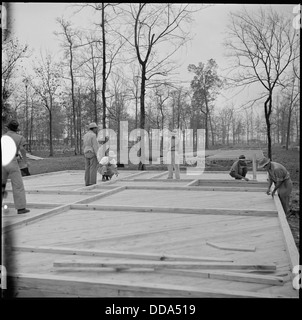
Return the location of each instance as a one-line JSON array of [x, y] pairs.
[[22, 211]]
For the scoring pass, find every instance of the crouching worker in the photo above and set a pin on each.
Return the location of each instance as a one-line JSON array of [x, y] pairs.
[[239, 169], [108, 166]]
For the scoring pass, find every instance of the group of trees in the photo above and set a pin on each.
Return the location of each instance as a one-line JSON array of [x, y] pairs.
[[119, 71]]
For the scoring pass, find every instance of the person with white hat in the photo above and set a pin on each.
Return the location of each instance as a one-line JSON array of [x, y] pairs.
[[90, 149], [239, 169], [108, 166], [173, 155], [281, 178]]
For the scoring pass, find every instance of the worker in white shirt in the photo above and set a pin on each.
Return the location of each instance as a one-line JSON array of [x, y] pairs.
[[108, 166]]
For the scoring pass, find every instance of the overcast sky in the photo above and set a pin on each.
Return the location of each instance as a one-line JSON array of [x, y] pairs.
[[34, 23]]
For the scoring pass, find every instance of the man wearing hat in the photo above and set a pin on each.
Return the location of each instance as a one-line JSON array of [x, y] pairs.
[[280, 177], [90, 149], [239, 169], [173, 155], [108, 166], [12, 170]]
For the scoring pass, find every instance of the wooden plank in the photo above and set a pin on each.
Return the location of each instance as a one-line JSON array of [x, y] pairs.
[[112, 288], [37, 205], [290, 244], [114, 254], [160, 265], [63, 192], [219, 211], [228, 246], [35, 218], [159, 175], [193, 183], [196, 188], [101, 195], [229, 276], [133, 175]]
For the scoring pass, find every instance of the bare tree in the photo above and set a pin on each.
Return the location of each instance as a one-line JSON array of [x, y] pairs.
[[12, 54], [46, 84], [69, 44], [263, 45], [110, 46], [154, 24]]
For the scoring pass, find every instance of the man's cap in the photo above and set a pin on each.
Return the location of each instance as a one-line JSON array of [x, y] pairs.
[[92, 125], [13, 125], [263, 162], [242, 157]]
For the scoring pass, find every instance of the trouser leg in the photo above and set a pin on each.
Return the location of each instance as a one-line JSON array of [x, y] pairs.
[[4, 181], [244, 171], [284, 192], [17, 186], [93, 170], [87, 170], [177, 172], [170, 165], [232, 174]]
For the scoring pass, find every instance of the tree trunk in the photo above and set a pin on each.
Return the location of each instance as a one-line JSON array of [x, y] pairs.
[[267, 113], [212, 131], [73, 101], [141, 166], [50, 131], [104, 66]]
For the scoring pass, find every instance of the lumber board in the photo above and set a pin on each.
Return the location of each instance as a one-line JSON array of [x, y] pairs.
[[36, 218], [38, 205], [229, 276], [112, 288], [229, 246], [133, 175], [160, 265], [195, 182], [196, 188], [159, 175], [63, 192], [101, 195], [219, 211], [115, 254], [290, 244]]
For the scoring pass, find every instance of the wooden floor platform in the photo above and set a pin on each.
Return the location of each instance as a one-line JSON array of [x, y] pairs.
[[143, 235]]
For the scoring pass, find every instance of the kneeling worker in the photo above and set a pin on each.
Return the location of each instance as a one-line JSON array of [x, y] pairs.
[[239, 169], [108, 166]]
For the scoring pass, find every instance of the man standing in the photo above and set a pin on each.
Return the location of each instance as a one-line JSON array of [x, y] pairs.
[[280, 177], [90, 148], [239, 169], [173, 156], [12, 170]]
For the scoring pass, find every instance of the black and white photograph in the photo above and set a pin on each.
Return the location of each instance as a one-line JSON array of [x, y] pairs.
[[150, 150]]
